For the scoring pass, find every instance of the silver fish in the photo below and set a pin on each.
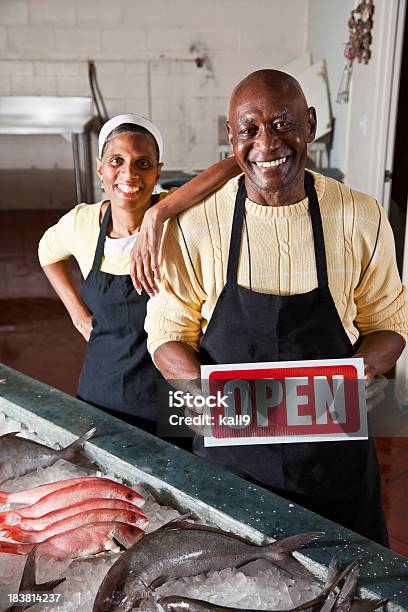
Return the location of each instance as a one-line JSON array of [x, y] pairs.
[[29, 585], [170, 552], [18, 456]]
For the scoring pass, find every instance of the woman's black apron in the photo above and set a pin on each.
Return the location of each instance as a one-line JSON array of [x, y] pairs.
[[338, 480], [118, 374]]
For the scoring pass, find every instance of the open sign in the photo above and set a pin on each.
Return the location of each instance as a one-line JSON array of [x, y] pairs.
[[264, 403]]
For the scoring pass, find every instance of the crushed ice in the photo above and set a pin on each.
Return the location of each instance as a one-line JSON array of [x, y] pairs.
[[257, 585]]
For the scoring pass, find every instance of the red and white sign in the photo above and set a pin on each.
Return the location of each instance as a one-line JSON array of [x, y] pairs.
[[287, 401]]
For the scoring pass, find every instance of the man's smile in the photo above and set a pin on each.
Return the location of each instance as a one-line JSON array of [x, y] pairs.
[[272, 163]]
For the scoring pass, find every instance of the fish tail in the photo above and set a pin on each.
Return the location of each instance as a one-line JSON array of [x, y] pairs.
[[288, 545], [375, 604], [348, 590], [72, 452], [334, 577], [28, 582], [9, 518], [4, 497], [280, 553], [333, 571], [15, 549], [19, 535], [5, 533]]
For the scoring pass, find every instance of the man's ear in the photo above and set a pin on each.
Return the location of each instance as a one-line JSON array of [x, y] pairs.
[[312, 123], [229, 132], [99, 166]]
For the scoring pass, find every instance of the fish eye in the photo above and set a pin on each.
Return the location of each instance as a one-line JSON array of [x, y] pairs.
[[116, 598], [129, 495]]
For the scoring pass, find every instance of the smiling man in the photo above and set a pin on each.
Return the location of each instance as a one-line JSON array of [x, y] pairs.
[[282, 264]]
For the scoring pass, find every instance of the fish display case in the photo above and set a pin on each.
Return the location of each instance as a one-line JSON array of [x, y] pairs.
[[178, 479]]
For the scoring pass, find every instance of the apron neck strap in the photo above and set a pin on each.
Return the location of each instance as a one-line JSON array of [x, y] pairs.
[[236, 233], [318, 237], [100, 246]]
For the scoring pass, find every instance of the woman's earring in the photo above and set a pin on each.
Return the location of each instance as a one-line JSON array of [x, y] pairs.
[[102, 187]]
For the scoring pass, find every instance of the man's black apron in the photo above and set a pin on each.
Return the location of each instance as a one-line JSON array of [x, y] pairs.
[[339, 480], [118, 374]]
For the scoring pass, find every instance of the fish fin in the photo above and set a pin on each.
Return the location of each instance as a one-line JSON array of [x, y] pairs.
[[345, 597], [15, 548], [5, 533], [288, 545], [4, 496], [28, 581], [28, 578], [181, 602], [72, 452], [280, 553], [119, 543], [369, 605], [333, 571], [156, 583], [49, 586], [180, 522], [10, 434], [329, 587]]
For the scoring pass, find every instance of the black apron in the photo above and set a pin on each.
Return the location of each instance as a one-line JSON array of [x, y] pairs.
[[118, 374], [338, 480]]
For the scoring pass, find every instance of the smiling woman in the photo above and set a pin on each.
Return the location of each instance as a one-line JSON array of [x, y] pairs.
[[118, 374]]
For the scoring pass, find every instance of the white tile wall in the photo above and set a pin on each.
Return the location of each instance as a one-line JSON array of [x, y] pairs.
[[29, 42], [14, 12], [3, 39], [77, 40], [52, 12], [45, 45], [33, 85]]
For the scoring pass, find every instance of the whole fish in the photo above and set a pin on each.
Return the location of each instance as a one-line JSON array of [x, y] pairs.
[[28, 583], [181, 549], [37, 524], [76, 520], [30, 496], [18, 456], [81, 541], [74, 494]]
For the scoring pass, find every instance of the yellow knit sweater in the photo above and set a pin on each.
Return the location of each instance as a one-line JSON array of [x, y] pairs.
[[362, 270]]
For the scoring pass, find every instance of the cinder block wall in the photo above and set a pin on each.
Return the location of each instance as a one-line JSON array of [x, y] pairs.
[[44, 46]]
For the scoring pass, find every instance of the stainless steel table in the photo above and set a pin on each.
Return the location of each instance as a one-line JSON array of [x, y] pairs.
[[71, 117]]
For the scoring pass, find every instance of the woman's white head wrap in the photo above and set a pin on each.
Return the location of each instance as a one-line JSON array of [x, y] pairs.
[[136, 120]]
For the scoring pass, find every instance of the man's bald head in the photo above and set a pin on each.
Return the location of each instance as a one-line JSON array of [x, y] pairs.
[[264, 81], [269, 126]]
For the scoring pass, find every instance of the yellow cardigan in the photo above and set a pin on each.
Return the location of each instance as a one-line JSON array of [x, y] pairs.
[[362, 270]]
